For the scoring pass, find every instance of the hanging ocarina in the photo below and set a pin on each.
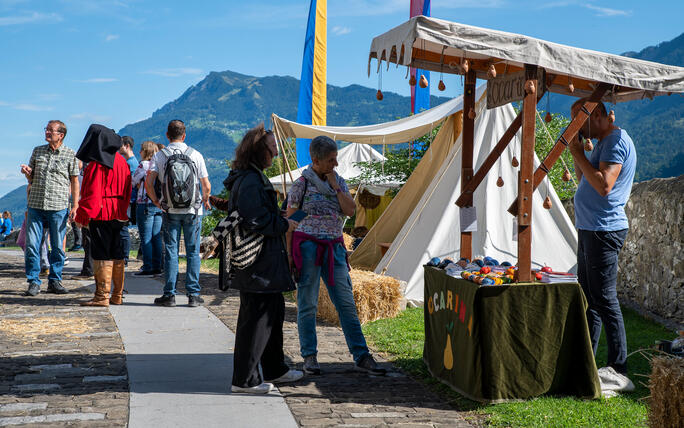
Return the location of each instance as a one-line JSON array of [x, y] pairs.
[[566, 176], [548, 118], [471, 113], [379, 95], [530, 87], [441, 86], [423, 83], [588, 145], [515, 162], [465, 66], [547, 203], [611, 116], [491, 73], [412, 80], [571, 87], [500, 182]]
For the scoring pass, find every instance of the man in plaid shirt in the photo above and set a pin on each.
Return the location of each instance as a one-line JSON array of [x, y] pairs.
[[52, 174]]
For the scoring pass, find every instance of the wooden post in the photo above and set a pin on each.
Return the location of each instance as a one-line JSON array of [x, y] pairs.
[[525, 180], [467, 153], [565, 138]]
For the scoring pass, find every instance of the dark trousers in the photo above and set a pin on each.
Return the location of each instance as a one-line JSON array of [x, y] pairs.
[[78, 235], [597, 265], [125, 242], [105, 240], [87, 268], [259, 339]]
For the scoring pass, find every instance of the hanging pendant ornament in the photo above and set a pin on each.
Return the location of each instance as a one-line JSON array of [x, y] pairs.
[[515, 162], [566, 175], [500, 182], [412, 80], [548, 118], [491, 72], [465, 66], [571, 87], [611, 116], [441, 86], [423, 83], [547, 203], [379, 95], [530, 87], [471, 114]]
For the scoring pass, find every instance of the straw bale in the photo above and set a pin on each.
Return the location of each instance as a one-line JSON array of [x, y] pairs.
[[348, 241], [31, 329], [667, 392], [376, 296]]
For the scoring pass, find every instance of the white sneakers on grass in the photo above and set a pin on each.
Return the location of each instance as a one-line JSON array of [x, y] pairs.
[[613, 382]]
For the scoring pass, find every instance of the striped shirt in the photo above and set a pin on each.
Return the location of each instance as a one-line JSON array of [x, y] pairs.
[[52, 170]]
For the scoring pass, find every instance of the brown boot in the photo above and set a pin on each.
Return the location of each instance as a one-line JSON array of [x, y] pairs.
[[103, 279], [118, 276]]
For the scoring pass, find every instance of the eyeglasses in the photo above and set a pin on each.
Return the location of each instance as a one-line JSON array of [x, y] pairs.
[[52, 131]]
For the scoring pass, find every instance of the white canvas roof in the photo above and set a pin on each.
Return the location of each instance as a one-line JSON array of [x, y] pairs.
[[347, 157], [395, 132], [433, 228], [433, 44]]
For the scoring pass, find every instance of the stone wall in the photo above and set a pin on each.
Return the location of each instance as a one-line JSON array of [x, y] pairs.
[[651, 272]]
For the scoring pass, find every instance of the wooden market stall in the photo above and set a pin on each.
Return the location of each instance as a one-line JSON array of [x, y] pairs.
[[505, 342]]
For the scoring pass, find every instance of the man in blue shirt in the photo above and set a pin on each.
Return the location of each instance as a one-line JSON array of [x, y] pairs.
[[126, 151], [605, 183]]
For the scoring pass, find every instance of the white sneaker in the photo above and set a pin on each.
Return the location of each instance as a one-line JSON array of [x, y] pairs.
[[66, 261], [291, 376], [262, 388], [614, 381]]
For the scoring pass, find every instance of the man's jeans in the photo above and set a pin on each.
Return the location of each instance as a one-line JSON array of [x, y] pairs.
[[149, 221], [125, 242], [340, 293], [190, 225], [597, 265], [56, 222]]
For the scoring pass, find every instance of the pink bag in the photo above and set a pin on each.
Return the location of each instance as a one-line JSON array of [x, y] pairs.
[[21, 238]]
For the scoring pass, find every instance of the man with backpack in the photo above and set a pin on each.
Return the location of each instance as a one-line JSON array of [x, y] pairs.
[[181, 170]]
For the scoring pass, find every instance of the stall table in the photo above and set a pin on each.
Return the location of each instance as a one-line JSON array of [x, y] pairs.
[[508, 342]]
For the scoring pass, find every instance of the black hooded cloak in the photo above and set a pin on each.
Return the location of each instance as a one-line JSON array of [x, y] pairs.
[[100, 145]]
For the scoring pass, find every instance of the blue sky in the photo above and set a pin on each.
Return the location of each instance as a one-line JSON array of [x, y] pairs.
[[116, 61]]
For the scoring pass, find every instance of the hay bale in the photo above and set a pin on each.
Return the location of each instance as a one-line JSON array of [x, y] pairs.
[[667, 392], [348, 241], [376, 296]]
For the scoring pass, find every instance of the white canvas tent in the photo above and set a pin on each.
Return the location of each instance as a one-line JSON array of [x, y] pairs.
[[347, 157], [433, 228]]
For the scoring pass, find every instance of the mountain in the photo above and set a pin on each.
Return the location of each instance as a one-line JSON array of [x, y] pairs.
[[15, 202], [656, 126], [218, 110]]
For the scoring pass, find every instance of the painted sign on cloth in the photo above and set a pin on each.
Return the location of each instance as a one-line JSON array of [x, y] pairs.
[[311, 109]]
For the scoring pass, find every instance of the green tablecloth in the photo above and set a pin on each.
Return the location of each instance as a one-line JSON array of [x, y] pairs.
[[499, 343]]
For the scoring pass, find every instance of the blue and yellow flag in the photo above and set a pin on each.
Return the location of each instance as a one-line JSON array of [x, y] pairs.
[[420, 97], [312, 86]]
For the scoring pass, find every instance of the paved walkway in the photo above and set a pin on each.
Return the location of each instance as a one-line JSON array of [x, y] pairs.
[[177, 365]]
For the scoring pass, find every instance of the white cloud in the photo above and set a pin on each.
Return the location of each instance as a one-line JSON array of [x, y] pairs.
[[111, 37], [29, 18], [340, 31], [174, 72], [25, 106], [99, 80], [605, 11], [91, 117]]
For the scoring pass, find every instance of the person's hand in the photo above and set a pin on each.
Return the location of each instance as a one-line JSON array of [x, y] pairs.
[[157, 204], [206, 203], [292, 225], [576, 146], [332, 180], [72, 213], [80, 225], [26, 170]]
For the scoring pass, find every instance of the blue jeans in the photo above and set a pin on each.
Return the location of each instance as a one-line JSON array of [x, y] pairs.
[[597, 265], [342, 297], [190, 225], [56, 223], [149, 221], [125, 241]]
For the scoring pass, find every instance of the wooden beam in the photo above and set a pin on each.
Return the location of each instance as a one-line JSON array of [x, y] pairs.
[[525, 178], [562, 142], [467, 153]]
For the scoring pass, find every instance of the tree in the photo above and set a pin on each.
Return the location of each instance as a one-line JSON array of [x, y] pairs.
[[543, 144]]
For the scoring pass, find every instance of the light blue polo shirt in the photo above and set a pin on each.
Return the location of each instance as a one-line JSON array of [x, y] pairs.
[[607, 213]]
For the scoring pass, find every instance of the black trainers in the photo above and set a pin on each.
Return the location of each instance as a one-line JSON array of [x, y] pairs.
[[33, 289], [144, 274], [165, 300], [56, 287], [367, 364], [194, 300], [311, 365]]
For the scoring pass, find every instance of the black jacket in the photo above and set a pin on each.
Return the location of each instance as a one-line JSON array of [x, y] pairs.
[[256, 201]]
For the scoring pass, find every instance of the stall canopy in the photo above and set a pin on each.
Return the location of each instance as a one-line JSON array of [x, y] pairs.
[[347, 159], [433, 227], [395, 132], [439, 45]]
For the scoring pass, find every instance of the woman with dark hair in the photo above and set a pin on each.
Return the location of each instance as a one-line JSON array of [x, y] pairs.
[[259, 333], [105, 194]]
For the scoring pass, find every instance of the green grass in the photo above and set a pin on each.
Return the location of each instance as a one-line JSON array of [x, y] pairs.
[[403, 338]]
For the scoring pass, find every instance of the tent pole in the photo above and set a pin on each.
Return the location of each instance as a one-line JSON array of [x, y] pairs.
[[525, 176], [467, 153], [567, 136]]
